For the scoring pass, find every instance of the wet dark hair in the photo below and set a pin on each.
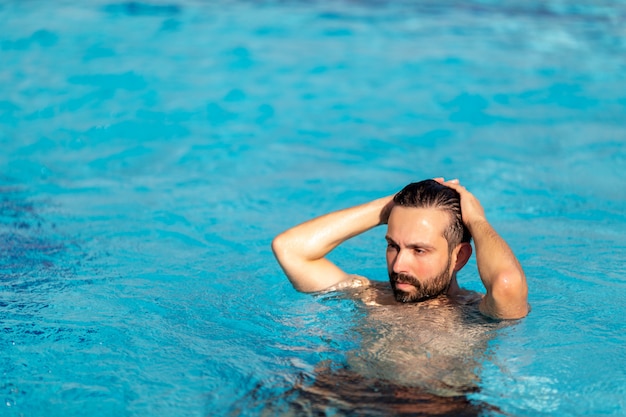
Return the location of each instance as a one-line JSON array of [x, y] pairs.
[[431, 194]]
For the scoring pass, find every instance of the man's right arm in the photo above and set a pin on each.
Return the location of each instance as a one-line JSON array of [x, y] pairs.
[[301, 251], [500, 271]]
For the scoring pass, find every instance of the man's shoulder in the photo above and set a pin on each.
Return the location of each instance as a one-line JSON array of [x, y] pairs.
[[370, 292], [351, 281]]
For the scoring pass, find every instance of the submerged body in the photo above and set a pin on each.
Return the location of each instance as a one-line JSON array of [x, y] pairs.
[[412, 359], [436, 345]]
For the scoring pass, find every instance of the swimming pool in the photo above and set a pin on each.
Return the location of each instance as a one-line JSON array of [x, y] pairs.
[[151, 151]]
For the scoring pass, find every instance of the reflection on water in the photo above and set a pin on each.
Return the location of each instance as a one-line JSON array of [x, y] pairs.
[[342, 392], [420, 359]]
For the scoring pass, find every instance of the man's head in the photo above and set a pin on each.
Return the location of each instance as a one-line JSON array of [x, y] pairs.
[[427, 240]]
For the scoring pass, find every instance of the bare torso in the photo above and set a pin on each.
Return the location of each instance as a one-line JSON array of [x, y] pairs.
[[437, 345]]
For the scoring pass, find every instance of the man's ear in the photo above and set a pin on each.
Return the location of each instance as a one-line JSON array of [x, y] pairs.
[[463, 253]]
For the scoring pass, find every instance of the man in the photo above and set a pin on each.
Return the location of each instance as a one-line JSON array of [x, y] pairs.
[[429, 227]]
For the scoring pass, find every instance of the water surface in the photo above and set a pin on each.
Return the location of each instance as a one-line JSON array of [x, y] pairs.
[[151, 150]]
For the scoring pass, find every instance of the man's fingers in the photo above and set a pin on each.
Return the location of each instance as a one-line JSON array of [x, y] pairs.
[[442, 180], [456, 186], [453, 183]]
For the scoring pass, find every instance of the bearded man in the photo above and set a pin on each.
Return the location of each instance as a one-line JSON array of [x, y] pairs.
[[429, 228]]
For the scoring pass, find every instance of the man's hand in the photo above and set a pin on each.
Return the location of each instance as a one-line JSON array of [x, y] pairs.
[[471, 209], [499, 269]]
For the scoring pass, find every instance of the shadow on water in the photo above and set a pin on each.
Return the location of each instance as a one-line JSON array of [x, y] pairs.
[[37, 261], [28, 250], [339, 391]]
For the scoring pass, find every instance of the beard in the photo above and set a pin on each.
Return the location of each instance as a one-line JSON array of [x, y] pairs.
[[421, 291]]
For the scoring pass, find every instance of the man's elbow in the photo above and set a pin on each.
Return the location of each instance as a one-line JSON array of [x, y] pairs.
[[278, 245], [281, 246], [282, 249], [510, 293]]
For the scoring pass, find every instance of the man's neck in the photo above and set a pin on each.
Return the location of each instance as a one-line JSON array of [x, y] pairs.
[[453, 288]]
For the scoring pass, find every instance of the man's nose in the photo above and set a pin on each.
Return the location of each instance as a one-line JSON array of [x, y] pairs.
[[400, 263]]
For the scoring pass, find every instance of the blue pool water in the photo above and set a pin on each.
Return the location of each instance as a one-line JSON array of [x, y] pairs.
[[151, 150]]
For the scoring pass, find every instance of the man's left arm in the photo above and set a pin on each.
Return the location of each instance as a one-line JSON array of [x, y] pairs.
[[500, 271]]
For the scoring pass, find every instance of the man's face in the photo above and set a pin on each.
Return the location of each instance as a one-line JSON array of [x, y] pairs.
[[418, 259]]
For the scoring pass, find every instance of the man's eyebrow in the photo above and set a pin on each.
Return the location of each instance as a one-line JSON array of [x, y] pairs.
[[419, 245], [413, 245], [389, 239]]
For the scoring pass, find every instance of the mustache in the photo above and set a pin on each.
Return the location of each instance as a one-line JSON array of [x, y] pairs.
[[405, 279]]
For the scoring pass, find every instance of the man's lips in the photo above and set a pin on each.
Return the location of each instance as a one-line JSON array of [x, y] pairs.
[[403, 286]]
